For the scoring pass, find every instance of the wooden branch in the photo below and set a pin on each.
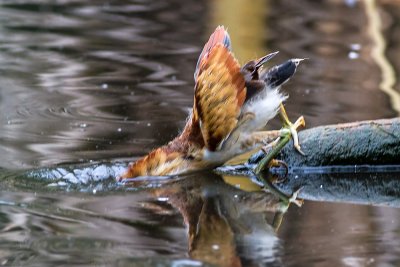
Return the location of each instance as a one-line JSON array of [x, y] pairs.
[[375, 142]]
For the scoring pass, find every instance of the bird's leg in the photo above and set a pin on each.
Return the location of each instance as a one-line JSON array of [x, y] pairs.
[[272, 144], [265, 138], [291, 127], [289, 131], [280, 143]]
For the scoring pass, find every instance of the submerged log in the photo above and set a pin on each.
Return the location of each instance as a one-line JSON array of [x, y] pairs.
[[375, 142]]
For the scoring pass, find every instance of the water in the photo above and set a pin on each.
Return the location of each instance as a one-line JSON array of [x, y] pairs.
[[86, 87]]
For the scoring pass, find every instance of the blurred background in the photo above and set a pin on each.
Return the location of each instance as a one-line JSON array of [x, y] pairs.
[[107, 81]]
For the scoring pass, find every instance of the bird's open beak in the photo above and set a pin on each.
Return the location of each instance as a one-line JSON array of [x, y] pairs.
[[264, 59]]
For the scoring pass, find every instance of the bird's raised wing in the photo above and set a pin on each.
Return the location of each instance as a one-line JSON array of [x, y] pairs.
[[219, 91], [219, 36]]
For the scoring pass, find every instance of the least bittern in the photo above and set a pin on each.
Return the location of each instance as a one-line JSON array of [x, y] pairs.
[[231, 106]]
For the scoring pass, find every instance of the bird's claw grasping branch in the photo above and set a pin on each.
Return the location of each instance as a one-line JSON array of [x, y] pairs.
[[289, 131], [292, 127]]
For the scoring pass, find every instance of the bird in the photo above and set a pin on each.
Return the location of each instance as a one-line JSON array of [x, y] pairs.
[[232, 104]]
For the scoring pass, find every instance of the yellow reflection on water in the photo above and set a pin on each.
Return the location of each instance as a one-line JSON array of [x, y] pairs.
[[378, 54], [246, 25], [241, 182]]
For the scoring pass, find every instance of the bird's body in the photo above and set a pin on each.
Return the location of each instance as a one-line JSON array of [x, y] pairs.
[[230, 105]]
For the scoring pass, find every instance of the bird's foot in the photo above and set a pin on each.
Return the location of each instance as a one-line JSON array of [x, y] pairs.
[[293, 198], [277, 163], [289, 127], [268, 146], [278, 177]]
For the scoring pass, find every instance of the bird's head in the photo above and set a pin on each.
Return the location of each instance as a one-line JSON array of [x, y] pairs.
[[250, 69], [280, 74]]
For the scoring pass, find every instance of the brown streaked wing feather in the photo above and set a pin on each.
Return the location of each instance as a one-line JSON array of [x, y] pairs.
[[219, 36], [219, 94]]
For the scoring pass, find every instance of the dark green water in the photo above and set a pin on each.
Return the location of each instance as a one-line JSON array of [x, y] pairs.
[[86, 86]]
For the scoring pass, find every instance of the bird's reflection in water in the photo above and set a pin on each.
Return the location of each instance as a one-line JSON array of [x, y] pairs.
[[227, 226]]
